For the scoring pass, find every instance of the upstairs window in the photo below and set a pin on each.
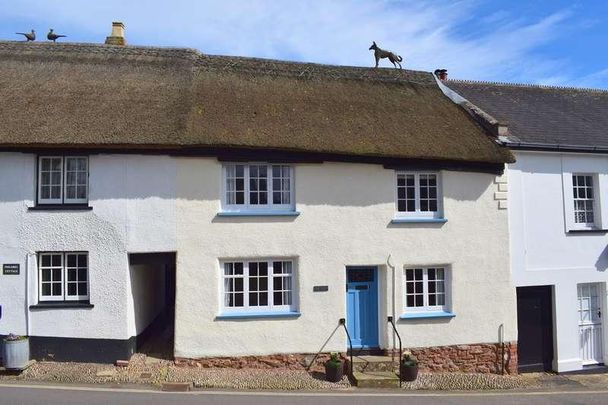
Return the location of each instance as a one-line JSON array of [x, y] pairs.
[[63, 179], [63, 276], [419, 195], [258, 187], [426, 289], [583, 191], [258, 286]]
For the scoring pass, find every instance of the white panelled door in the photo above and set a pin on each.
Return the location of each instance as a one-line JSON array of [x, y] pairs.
[[590, 323]]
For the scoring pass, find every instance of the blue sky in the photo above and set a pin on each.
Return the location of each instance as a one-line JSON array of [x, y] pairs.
[[554, 42]]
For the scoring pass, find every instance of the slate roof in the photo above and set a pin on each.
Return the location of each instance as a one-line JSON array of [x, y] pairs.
[[543, 115], [92, 96]]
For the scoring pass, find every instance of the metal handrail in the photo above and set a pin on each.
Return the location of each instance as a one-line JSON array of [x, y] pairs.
[[392, 322], [342, 322]]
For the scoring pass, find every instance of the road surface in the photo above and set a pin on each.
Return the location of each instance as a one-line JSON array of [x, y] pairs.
[[35, 395]]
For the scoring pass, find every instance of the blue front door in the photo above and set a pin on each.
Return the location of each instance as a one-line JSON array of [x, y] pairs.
[[362, 306]]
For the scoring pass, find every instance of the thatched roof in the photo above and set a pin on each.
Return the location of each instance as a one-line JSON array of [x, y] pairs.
[[100, 96]]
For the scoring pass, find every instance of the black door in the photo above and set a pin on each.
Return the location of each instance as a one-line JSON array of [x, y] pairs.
[[535, 325]]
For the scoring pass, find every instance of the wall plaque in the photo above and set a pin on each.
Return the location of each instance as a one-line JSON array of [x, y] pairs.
[[320, 288], [10, 269]]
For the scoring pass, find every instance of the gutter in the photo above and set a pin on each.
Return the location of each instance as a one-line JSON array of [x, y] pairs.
[[553, 147]]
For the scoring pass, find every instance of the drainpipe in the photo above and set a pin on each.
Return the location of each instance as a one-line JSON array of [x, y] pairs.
[[388, 263], [28, 263], [501, 337]]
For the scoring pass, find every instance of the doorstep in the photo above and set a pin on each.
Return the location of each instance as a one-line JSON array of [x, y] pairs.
[[375, 363], [376, 379]]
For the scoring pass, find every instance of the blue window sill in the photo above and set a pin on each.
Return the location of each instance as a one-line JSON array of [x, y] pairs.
[[419, 220], [250, 315], [426, 315], [258, 214]]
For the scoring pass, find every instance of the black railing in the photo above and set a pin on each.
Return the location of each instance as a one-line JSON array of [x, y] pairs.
[[350, 345], [392, 322]]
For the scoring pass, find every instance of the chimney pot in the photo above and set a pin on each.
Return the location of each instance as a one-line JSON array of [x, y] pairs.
[[117, 37], [442, 74]]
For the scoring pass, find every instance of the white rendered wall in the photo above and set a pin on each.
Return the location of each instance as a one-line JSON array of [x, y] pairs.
[[161, 204], [345, 217], [133, 200], [543, 253]]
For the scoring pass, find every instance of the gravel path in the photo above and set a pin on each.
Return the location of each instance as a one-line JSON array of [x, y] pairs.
[[149, 371]]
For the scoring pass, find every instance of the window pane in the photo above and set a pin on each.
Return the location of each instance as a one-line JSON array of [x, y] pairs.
[[235, 184], [56, 289], [71, 288], [583, 195], [46, 289], [258, 187]]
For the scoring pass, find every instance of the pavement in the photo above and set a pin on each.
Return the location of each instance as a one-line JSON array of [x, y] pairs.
[[64, 395]]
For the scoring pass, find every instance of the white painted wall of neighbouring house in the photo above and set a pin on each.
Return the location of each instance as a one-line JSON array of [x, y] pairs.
[[160, 204], [544, 253], [133, 200]]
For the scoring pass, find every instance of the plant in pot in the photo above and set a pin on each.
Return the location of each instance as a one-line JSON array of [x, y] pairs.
[[16, 352], [334, 370], [408, 369]]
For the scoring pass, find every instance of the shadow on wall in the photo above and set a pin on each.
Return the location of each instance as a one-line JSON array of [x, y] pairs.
[[602, 262], [143, 177]]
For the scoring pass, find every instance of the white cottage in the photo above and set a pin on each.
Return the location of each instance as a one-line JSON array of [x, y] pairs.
[[558, 217], [205, 207]]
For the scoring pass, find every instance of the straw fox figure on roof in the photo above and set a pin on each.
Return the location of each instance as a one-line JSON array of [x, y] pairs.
[[381, 54]]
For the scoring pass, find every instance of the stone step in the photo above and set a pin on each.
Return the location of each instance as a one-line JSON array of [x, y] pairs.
[[376, 379], [375, 363]]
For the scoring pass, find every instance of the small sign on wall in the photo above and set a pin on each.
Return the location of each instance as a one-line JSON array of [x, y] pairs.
[[320, 288], [10, 269]]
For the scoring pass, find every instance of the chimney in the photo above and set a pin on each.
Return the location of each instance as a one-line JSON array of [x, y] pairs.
[[442, 74], [117, 37]]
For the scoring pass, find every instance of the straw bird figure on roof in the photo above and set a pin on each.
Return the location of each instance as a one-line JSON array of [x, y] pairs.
[[29, 36], [381, 54], [51, 36]]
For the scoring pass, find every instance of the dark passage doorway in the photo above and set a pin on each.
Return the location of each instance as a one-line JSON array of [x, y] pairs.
[[153, 290], [535, 326]]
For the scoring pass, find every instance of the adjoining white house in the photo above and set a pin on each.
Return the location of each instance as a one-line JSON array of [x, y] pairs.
[[558, 216], [225, 207]]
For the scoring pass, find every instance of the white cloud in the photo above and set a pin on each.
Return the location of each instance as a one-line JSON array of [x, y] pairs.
[[428, 34]]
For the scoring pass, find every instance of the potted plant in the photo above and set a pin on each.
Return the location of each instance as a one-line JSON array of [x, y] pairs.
[[408, 369], [334, 371], [16, 353]]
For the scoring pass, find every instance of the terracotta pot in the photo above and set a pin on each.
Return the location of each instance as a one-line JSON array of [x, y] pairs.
[[408, 373], [333, 373]]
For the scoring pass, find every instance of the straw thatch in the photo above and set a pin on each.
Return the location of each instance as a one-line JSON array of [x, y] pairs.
[[86, 96]]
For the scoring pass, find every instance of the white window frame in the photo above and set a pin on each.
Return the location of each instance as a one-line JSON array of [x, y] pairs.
[[247, 206], [63, 297], [417, 213], [425, 290], [39, 180], [62, 199], [596, 206], [246, 308]]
